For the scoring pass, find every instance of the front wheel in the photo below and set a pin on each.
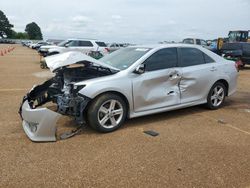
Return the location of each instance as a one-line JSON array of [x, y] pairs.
[[216, 96], [107, 113]]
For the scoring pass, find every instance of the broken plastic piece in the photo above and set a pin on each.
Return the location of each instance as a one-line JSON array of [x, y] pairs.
[[222, 121], [151, 133], [71, 133], [39, 124]]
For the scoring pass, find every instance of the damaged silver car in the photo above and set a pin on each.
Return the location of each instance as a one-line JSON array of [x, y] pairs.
[[128, 83]]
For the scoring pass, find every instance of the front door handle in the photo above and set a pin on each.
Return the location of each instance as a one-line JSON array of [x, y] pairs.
[[213, 69], [174, 76]]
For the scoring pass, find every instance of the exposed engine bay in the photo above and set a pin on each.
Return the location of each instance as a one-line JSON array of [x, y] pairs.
[[61, 90]]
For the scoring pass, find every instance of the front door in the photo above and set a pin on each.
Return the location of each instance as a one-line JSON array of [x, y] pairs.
[[158, 87]]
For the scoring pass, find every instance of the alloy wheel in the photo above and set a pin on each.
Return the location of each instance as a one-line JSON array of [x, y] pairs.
[[217, 96], [110, 114]]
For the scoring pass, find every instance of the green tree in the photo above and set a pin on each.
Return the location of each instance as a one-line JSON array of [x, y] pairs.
[[21, 35], [34, 31], [5, 26]]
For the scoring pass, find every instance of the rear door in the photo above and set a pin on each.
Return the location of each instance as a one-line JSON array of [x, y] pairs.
[[159, 86], [198, 74]]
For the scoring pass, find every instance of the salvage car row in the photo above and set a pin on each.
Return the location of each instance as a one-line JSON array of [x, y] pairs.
[[86, 46]]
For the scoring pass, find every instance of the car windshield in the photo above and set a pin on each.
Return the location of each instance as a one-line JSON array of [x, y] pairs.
[[124, 58], [63, 43]]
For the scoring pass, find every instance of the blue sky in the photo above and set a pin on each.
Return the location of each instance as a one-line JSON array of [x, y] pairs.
[[135, 21]]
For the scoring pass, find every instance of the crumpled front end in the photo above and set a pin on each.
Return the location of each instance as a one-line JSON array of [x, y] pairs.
[[39, 123], [62, 90]]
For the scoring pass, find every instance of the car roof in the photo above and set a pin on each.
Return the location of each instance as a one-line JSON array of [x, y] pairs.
[[165, 45], [176, 45], [83, 39]]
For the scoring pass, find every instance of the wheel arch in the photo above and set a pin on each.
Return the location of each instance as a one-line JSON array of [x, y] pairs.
[[116, 93], [225, 83]]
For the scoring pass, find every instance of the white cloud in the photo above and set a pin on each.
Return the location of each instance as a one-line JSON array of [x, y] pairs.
[[136, 21]]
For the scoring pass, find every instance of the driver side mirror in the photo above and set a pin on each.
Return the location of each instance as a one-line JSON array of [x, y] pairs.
[[140, 69], [66, 45]]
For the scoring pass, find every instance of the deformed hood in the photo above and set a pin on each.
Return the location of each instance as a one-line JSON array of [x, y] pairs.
[[68, 58]]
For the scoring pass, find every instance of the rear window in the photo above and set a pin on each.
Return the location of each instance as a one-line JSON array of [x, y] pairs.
[[198, 41], [188, 41], [101, 44]]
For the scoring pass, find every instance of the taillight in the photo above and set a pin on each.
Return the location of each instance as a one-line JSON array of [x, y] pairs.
[[107, 49], [238, 64]]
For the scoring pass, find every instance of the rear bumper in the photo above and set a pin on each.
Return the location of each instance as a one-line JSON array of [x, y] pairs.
[[39, 124]]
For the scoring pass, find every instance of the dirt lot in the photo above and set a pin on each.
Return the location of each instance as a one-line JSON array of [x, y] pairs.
[[192, 150]]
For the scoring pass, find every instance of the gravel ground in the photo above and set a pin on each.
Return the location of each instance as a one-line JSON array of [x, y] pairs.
[[193, 149]]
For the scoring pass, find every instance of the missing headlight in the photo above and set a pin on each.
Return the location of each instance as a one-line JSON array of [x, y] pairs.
[[76, 89]]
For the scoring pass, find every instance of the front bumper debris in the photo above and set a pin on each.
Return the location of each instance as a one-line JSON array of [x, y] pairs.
[[39, 124]]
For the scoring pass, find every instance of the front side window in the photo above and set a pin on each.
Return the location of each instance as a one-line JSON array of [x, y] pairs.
[[73, 43], [162, 59], [85, 43], [191, 57], [63, 43]]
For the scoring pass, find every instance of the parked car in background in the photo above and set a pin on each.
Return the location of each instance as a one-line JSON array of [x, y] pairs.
[[39, 44], [25, 43], [82, 45], [237, 51], [200, 42], [115, 46], [44, 50], [130, 82]]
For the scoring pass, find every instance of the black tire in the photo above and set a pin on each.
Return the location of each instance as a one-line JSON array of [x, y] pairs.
[[211, 102], [42, 65], [94, 112]]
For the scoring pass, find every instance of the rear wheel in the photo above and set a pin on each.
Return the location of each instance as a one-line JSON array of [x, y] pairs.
[[216, 96], [107, 113]]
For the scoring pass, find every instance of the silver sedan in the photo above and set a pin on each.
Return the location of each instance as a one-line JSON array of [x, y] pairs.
[[131, 82]]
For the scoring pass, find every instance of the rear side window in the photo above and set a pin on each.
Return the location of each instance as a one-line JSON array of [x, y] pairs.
[[162, 59], [85, 43], [208, 59], [101, 44], [191, 57]]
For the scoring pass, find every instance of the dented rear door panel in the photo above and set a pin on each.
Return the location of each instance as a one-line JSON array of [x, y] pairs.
[[196, 82]]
